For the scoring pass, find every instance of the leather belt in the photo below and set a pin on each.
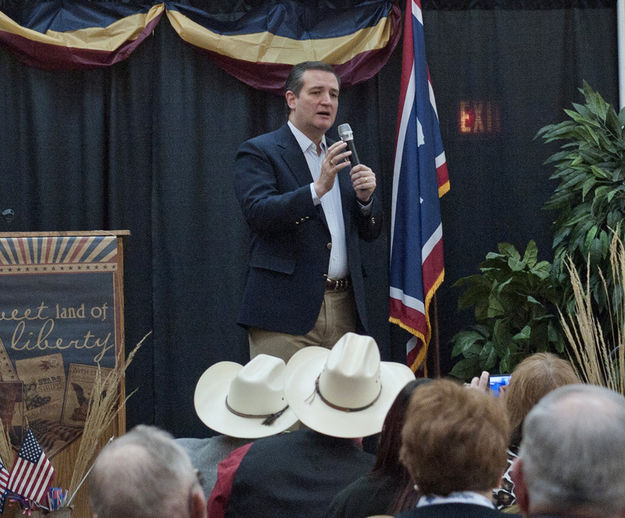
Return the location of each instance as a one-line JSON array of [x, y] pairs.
[[338, 284]]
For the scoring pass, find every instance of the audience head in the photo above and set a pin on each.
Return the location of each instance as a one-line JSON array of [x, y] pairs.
[[248, 401], [346, 391], [572, 454], [531, 379], [387, 456], [145, 474], [454, 439]]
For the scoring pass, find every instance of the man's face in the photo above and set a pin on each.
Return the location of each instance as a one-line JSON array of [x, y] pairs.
[[313, 111]]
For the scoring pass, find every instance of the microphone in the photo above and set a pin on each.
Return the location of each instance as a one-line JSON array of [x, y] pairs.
[[347, 136]]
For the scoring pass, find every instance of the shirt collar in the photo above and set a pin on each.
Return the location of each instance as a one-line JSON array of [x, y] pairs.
[[456, 497], [303, 141]]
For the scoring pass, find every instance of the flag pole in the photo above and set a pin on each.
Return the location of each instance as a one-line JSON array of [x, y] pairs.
[[435, 341]]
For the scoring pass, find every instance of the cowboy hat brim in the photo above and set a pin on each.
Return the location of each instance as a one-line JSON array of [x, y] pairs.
[[210, 405], [301, 373]]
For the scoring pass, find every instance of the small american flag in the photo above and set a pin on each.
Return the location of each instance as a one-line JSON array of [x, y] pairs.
[[32, 473], [4, 481]]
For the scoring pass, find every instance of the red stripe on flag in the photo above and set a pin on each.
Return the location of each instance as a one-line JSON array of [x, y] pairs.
[[407, 62], [443, 179], [432, 267], [411, 319], [4, 478]]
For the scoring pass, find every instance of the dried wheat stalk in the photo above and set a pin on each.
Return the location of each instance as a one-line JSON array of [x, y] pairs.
[[104, 405], [599, 360]]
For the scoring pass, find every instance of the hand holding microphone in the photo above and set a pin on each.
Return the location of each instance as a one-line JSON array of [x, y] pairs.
[[334, 161], [347, 135], [363, 178]]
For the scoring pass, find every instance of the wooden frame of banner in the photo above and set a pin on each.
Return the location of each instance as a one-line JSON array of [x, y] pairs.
[[63, 462]]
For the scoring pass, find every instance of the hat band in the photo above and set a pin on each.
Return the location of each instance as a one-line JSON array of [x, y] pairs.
[[269, 418], [344, 408]]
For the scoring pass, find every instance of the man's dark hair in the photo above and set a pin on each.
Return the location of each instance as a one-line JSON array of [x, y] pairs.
[[294, 82]]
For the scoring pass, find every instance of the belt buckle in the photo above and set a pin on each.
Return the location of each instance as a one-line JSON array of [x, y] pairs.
[[336, 284]]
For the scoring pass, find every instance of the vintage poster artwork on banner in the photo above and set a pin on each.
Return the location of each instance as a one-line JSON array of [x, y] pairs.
[[58, 322]]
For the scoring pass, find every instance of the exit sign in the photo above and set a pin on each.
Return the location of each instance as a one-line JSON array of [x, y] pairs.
[[478, 117]]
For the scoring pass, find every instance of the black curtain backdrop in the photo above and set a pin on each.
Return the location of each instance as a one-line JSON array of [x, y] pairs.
[[148, 145]]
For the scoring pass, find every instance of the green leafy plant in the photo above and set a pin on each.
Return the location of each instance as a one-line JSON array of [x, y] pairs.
[[515, 308], [590, 196], [514, 303]]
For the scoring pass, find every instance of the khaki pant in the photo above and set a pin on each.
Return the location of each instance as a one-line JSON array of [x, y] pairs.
[[337, 317]]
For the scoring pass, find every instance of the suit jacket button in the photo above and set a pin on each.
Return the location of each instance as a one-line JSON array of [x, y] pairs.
[[329, 246]]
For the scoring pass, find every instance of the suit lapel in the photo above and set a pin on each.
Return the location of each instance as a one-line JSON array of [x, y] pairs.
[[296, 162], [293, 156]]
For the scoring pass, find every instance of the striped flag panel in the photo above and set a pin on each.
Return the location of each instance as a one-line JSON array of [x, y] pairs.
[[4, 478], [4, 482]]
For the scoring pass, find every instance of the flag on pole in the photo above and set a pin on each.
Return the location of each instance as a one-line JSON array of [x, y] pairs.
[[419, 179], [4, 482], [32, 472]]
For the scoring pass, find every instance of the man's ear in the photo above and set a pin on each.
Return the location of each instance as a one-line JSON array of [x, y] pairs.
[[290, 99], [198, 504], [520, 489]]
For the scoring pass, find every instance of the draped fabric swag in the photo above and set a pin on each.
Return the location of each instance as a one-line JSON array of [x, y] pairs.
[[258, 47]]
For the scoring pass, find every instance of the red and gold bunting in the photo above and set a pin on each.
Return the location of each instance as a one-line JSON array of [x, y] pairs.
[[83, 43], [261, 46]]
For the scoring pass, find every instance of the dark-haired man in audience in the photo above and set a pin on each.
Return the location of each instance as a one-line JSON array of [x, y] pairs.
[[454, 446], [145, 474], [572, 458]]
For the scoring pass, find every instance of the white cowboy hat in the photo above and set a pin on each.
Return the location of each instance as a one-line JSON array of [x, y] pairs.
[[346, 391], [244, 401]]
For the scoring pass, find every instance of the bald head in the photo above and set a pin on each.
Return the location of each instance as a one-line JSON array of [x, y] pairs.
[[145, 474], [573, 452]]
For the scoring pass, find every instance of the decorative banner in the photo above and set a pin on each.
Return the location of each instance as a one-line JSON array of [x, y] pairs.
[[260, 47], [70, 36], [59, 319]]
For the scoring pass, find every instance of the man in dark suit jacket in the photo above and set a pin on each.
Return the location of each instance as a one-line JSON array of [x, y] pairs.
[[454, 443], [306, 208]]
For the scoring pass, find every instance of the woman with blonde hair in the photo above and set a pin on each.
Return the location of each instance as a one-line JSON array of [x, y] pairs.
[[534, 377]]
